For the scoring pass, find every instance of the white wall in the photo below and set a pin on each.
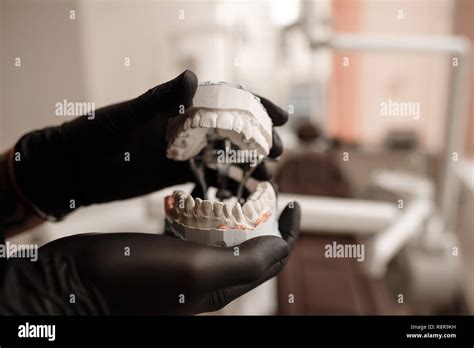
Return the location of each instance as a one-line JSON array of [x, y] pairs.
[[47, 41], [218, 40]]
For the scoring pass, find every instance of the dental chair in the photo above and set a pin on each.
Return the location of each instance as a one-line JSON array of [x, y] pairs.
[[312, 283]]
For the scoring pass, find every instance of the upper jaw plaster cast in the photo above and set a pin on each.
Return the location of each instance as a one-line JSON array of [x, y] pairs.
[[221, 114]]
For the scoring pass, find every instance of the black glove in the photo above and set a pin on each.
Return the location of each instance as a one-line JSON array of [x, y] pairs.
[[155, 275], [85, 160]]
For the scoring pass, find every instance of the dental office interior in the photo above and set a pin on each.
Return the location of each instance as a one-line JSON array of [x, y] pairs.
[[378, 149]]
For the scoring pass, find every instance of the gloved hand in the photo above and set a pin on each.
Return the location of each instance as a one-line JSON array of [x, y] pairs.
[[135, 273], [85, 160]]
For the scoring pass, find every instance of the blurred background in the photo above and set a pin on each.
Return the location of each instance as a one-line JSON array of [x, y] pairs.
[[379, 149]]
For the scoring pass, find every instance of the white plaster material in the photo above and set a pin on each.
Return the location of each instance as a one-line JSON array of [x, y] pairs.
[[235, 114], [223, 223], [239, 116]]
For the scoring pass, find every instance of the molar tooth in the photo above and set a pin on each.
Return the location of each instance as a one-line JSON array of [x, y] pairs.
[[271, 192], [198, 207], [249, 211], [177, 207], [182, 134], [257, 205], [247, 130], [237, 212], [181, 142], [238, 123], [189, 204], [195, 121], [179, 197], [174, 152], [256, 194], [268, 196], [213, 116], [260, 140], [252, 144], [208, 119], [227, 212], [266, 146], [187, 124], [206, 208], [262, 197], [204, 121], [225, 120], [218, 208]]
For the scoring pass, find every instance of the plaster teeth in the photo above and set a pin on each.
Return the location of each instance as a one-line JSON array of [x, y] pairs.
[[173, 152], [257, 205], [208, 120], [237, 213], [250, 130], [227, 212], [204, 121], [225, 120], [183, 135], [252, 144], [271, 193], [207, 214], [206, 208], [218, 209], [198, 207], [181, 142], [249, 211], [247, 130], [195, 120], [180, 197], [259, 139], [187, 124], [189, 204], [255, 195], [264, 202], [238, 123]]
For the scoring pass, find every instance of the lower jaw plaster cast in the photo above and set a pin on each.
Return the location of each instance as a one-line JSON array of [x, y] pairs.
[[222, 116]]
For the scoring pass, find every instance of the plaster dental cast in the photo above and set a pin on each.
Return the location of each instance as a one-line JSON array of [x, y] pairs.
[[222, 116], [83, 161]]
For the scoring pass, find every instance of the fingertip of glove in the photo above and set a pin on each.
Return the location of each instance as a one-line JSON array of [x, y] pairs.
[[177, 91], [189, 84], [277, 148], [292, 211], [277, 114], [189, 78], [289, 223]]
